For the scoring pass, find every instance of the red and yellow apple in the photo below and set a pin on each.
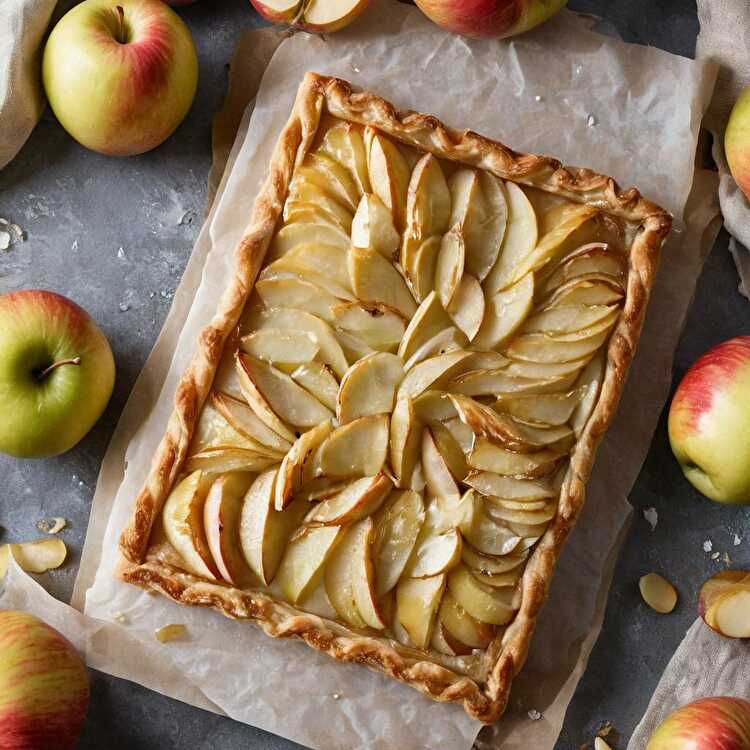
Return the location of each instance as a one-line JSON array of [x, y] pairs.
[[44, 686], [56, 373], [737, 142], [706, 724], [120, 75], [321, 16], [708, 422], [489, 18]]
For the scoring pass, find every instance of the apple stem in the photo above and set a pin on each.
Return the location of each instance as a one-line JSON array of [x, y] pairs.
[[43, 374], [121, 29]]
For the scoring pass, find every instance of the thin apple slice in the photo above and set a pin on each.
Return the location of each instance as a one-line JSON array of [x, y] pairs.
[[421, 267], [375, 279], [369, 387], [432, 373], [553, 409], [429, 319], [730, 611], [527, 531], [405, 441], [274, 345], [331, 352], [389, 174], [434, 406], [299, 294], [544, 370], [450, 450], [449, 267], [490, 565], [435, 552], [245, 421], [354, 348], [319, 380], [440, 482], [290, 402], [513, 511], [504, 313], [221, 520], [486, 604], [219, 460], [467, 306], [590, 383], [594, 258], [363, 577], [360, 499], [488, 536], [338, 576], [462, 626], [499, 581], [343, 142], [561, 319], [417, 602], [340, 180], [358, 448], [428, 205], [304, 558], [298, 212], [462, 434], [538, 347], [305, 233], [498, 382], [327, 261], [486, 456], [377, 325], [490, 484], [215, 431], [398, 524], [592, 290], [264, 532], [444, 643], [183, 524], [520, 239], [486, 422], [273, 272], [372, 227], [448, 340], [295, 467], [303, 193], [34, 557]]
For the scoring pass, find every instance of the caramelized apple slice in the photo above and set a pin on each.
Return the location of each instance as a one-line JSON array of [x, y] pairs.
[[487, 423], [492, 565], [551, 409], [369, 386], [372, 228], [215, 431], [355, 449], [375, 279], [449, 340], [337, 177], [421, 267], [417, 602], [245, 421], [538, 347], [497, 485], [590, 382], [564, 319], [436, 551], [484, 603], [221, 520], [429, 320], [449, 267], [219, 460], [304, 192], [450, 450], [462, 626], [487, 536], [299, 233], [183, 524], [319, 380], [467, 306], [486, 456], [313, 261], [440, 482], [588, 290], [444, 643], [361, 498]]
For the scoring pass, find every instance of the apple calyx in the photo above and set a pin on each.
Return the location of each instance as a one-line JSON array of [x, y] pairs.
[[121, 35], [47, 370]]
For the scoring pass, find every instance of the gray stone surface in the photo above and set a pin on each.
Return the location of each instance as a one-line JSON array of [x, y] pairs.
[[115, 236]]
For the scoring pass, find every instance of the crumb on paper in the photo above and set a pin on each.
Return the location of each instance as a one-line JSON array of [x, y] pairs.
[[170, 633], [52, 526], [651, 516], [534, 715], [119, 617], [708, 545], [737, 540], [591, 121]]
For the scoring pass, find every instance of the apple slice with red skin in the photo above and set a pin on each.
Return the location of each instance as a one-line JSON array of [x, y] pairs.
[[724, 603]]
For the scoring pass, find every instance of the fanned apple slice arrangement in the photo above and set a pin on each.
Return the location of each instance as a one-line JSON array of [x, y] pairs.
[[387, 440]]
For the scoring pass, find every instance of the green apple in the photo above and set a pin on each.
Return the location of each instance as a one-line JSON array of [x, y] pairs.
[[120, 75], [709, 422], [56, 373], [737, 142], [44, 686]]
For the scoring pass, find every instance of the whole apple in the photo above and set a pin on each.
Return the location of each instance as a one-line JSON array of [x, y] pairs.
[[56, 373], [705, 724], [120, 75], [709, 422], [44, 686], [489, 18], [737, 142]]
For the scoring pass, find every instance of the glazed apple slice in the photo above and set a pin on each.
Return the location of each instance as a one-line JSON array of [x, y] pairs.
[[497, 382], [462, 626], [492, 565], [429, 319], [553, 409], [444, 643], [417, 602], [431, 373], [338, 576], [215, 431], [303, 193], [372, 227], [304, 558], [440, 481], [498, 485], [375, 279], [487, 423], [361, 498], [589, 383], [532, 512], [290, 402], [363, 576], [325, 261], [296, 212], [484, 603], [354, 347], [355, 449], [450, 450], [276, 346], [369, 387], [219, 460], [434, 406], [389, 174], [486, 456], [566, 319], [264, 532], [296, 464], [183, 524], [467, 306], [487, 536], [422, 262], [538, 347], [520, 239], [462, 435], [449, 340], [449, 267], [319, 380], [593, 289], [331, 352], [376, 324], [405, 441], [299, 294], [343, 142], [339, 178], [398, 524], [221, 520], [436, 551], [595, 258], [305, 233]]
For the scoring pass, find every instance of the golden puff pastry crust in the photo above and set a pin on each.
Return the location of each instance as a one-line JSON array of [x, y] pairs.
[[485, 698]]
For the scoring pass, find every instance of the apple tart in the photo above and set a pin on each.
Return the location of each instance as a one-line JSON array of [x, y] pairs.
[[384, 437]]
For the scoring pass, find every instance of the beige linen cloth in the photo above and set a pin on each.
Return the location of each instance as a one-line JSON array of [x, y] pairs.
[[706, 663], [725, 39], [22, 27]]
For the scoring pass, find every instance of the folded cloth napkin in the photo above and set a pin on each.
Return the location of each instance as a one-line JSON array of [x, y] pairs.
[[725, 38], [23, 23], [704, 664]]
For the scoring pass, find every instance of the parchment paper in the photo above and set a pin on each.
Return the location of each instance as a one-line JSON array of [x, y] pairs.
[[633, 112]]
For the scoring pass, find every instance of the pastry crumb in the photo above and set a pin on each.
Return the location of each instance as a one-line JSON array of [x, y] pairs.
[[119, 617], [336, 696], [534, 715], [52, 526], [651, 516], [170, 633]]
